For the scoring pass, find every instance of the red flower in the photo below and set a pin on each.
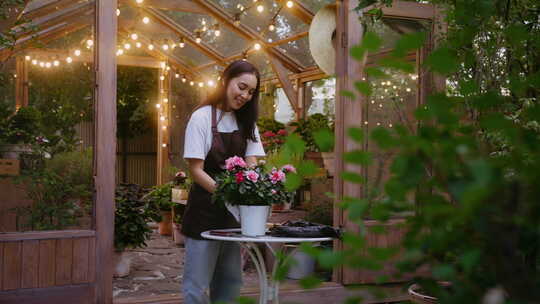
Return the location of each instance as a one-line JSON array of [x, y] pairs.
[[269, 134], [239, 177], [282, 132]]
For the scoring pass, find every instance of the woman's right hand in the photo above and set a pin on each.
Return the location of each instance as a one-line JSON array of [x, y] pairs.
[[196, 170]]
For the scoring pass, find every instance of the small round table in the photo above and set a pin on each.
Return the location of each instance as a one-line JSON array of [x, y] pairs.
[[269, 289]]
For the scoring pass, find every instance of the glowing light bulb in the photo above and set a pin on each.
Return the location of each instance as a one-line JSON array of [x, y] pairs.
[[162, 77], [34, 61], [164, 128], [127, 46], [260, 8], [271, 27], [165, 100], [150, 47], [290, 4], [257, 46], [217, 33], [408, 89], [134, 36], [184, 79], [191, 83], [201, 84], [198, 39], [158, 105], [117, 12], [182, 44], [119, 52], [56, 63], [89, 42], [163, 65], [27, 58], [164, 145], [165, 47], [138, 45], [77, 52], [42, 64], [211, 83], [145, 20], [177, 75], [48, 65], [139, 1], [162, 118], [69, 60]]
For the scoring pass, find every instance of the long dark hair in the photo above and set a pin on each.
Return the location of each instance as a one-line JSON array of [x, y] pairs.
[[247, 115]]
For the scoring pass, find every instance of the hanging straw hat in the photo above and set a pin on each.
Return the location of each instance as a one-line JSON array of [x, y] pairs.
[[322, 33]]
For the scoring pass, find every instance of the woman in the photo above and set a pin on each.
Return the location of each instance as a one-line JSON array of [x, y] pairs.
[[221, 127]]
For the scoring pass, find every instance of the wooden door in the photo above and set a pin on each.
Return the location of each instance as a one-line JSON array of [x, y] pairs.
[[73, 266], [374, 111]]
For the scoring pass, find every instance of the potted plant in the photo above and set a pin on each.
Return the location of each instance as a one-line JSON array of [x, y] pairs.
[[131, 228], [253, 190], [160, 199], [181, 186], [309, 130]]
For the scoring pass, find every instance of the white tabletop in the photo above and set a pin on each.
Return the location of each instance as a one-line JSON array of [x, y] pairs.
[[234, 235]]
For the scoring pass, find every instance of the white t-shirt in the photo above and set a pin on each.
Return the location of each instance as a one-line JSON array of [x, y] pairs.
[[198, 137]]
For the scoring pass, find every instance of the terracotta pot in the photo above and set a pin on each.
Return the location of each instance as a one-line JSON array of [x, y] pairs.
[[121, 264], [165, 226], [178, 237], [278, 207]]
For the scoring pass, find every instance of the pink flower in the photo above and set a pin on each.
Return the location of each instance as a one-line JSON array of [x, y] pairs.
[[282, 132], [232, 162], [276, 176], [269, 134], [288, 168], [180, 174], [273, 191], [252, 175], [239, 177]]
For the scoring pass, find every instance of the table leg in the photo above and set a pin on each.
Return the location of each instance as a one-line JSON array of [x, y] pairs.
[[258, 260]]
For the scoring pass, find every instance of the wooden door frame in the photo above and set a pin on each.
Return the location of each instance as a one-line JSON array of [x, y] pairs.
[[105, 146], [348, 112]]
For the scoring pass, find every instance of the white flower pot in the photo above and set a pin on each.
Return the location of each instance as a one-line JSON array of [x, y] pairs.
[[253, 219]]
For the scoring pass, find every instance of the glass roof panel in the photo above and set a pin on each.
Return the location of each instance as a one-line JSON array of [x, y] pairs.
[[261, 62], [299, 50], [35, 4], [391, 29], [315, 5], [191, 55], [227, 43]]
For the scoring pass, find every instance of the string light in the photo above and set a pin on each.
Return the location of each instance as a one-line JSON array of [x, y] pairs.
[[164, 145], [182, 43], [158, 105], [48, 65], [257, 46], [163, 65], [117, 12], [69, 60], [184, 79], [138, 45], [162, 118], [165, 100], [150, 46], [165, 47], [236, 20], [89, 43], [271, 27], [56, 63], [127, 46], [198, 37], [34, 61], [42, 64], [211, 83], [217, 32], [260, 8], [161, 77], [290, 4], [134, 36], [139, 1], [119, 52], [77, 53], [164, 128], [27, 58], [145, 20], [191, 83], [201, 84]]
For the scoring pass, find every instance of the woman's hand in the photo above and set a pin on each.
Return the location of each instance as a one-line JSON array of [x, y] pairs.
[[196, 169], [251, 161]]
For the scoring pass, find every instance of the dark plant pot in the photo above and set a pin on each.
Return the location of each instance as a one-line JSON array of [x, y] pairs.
[[165, 226], [11, 151]]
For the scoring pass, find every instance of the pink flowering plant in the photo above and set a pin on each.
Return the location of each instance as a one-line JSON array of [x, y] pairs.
[[241, 184]]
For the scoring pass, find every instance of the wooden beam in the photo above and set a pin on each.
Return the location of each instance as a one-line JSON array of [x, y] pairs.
[[21, 85], [105, 147], [299, 10], [182, 32], [125, 60], [247, 33], [286, 84], [47, 9], [187, 6], [74, 12], [163, 138], [289, 39], [407, 9]]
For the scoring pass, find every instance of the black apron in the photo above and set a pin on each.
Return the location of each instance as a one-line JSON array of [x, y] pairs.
[[201, 214]]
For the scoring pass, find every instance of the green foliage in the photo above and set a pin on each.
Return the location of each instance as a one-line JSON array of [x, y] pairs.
[[307, 128], [136, 88], [160, 198], [22, 127], [131, 218], [320, 212]]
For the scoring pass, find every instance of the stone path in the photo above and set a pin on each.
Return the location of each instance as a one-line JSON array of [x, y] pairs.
[[157, 269]]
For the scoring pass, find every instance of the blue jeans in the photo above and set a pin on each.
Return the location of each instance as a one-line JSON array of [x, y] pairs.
[[211, 264]]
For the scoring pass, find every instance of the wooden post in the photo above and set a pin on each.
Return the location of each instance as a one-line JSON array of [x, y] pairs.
[[21, 85], [348, 112], [163, 127], [105, 147]]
